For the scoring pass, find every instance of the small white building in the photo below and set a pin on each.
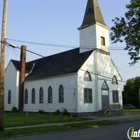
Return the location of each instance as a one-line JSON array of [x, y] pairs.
[[82, 80]]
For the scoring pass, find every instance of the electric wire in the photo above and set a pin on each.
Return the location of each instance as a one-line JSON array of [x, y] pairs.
[[70, 65], [14, 52], [43, 44], [130, 70], [43, 57], [60, 45]]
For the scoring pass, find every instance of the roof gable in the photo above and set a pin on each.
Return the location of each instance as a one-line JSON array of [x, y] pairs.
[[17, 65]]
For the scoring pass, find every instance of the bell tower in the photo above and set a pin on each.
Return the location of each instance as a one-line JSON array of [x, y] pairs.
[[94, 34]]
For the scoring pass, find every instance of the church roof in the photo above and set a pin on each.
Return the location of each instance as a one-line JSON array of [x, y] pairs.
[[28, 65], [55, 65], [93, 14], [16, 64]]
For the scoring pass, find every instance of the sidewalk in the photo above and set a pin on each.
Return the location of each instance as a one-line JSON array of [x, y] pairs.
[[124, 118], [121, 119]]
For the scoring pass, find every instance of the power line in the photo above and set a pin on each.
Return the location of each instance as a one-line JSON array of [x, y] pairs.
[[60, 45], [41, 56], [14, 52], [32, 52], [130, 70], [68, 64], [43, 44]]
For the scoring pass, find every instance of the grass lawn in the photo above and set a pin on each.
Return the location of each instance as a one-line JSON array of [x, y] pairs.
[[48, 129], [132, 111], [19, 119]]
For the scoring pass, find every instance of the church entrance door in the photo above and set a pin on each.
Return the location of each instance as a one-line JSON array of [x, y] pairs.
[[105, 95]]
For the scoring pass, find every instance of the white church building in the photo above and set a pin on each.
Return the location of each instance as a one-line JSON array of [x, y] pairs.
[[81, 80]]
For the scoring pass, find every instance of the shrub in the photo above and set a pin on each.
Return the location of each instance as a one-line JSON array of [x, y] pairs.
[[14, 109], [57, 111], [65, 111], [41, 111]]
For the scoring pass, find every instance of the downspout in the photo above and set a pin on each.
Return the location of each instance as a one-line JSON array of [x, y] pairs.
[[22, 76]]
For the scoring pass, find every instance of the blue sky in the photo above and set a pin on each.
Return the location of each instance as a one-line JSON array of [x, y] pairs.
[[56, 22]]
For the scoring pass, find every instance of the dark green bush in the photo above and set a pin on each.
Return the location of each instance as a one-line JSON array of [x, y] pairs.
[[57, 111], [41, 111], [65, 111], [14, 109]]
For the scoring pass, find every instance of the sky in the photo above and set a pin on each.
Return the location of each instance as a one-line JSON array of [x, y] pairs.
[[55, 24]]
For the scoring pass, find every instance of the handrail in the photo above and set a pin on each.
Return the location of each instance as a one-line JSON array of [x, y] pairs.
[[122, 107], [107, 108]]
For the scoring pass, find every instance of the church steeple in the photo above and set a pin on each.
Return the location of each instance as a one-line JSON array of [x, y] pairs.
[[93, 14], [94, 34]]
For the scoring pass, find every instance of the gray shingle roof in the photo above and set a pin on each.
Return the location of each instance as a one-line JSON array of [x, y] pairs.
[[55, 65], [93, 14], [28, 65], [16, 64]]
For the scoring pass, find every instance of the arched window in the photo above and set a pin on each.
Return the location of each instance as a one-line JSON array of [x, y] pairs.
[[50, 94], [9, 97], [87, 76], [114, 80], [26, 97], [41, 98], [61, 94], [33, 96]]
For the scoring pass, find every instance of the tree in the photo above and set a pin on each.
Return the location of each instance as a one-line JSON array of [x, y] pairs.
[[127, 29], [131, 91]]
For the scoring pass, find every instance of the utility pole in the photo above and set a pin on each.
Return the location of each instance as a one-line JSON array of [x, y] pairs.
[[2, 65], [139, 96], [22, 76]]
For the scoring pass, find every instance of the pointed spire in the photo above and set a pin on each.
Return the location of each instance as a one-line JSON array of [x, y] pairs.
[[93, 14]]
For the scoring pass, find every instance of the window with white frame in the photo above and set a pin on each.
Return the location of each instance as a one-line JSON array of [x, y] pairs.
[[115, 96], [9, 97], [87, 95], [33, 96], [41, 95], [50, 94], [26, 97], [61, 94]]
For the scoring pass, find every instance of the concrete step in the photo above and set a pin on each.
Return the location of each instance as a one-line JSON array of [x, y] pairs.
[[114, 113]]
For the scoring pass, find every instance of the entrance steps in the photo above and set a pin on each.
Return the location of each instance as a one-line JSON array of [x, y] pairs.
[[113, 110]]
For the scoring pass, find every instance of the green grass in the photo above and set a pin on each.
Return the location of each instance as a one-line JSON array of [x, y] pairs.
[[19, 119], [132, 111], [38, 130], [91, 124]]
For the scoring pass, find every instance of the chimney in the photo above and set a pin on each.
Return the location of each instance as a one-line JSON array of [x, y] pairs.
[[22, 76]]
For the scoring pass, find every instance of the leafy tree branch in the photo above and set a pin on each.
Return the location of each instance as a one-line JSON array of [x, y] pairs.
[[127, 29]]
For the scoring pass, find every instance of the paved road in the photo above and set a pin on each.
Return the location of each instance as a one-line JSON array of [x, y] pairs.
[[111, 132]]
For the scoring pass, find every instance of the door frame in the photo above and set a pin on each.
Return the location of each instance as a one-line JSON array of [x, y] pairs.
[[106, 88]]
